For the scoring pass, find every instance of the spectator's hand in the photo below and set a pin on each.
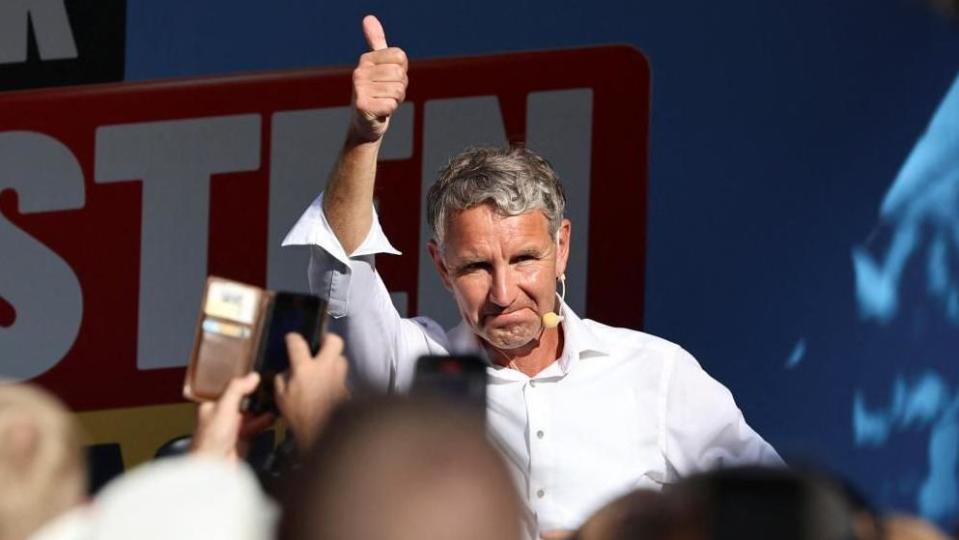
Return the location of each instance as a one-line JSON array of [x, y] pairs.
[[379, 83], [223, 431], [313, 386]]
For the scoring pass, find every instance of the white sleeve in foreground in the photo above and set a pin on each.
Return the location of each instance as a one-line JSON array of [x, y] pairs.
[[704, 429]]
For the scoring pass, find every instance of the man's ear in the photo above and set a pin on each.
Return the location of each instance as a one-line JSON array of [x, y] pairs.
[[437, 255], [563, 235]]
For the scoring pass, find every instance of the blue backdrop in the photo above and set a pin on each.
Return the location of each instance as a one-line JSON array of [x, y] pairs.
[[780, 253]]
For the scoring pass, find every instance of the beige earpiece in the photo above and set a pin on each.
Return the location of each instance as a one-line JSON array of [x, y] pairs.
[[551, 319]]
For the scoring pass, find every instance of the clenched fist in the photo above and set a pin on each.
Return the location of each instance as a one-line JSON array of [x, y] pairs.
[[379, 83]]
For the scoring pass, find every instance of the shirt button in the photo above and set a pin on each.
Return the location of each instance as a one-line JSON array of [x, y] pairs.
[[532, 383], [540, 434], [541, 494]]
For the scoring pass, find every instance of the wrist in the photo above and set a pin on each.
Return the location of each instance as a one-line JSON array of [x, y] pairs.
[[357, 137], [366, 130]]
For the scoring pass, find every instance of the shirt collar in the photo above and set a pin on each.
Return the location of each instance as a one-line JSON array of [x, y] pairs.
[[579, 341]]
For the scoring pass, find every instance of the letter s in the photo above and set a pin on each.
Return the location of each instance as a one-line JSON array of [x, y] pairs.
[[42, 288]]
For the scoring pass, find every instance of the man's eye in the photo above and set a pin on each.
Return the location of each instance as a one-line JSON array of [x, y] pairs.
[[474, 267], [525, 258]]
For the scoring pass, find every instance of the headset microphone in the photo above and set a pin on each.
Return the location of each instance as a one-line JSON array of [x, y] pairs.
[[551, 319]]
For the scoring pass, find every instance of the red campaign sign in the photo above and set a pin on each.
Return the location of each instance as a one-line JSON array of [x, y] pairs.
[[117, 200]]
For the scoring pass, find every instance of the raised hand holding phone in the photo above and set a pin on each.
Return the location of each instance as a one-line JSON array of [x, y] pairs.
[[223, 431], [313, 386]]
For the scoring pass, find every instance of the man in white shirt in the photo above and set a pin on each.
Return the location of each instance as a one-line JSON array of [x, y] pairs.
[[583, 412]]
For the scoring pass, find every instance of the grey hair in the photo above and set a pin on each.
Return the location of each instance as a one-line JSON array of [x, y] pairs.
[[514, 180]]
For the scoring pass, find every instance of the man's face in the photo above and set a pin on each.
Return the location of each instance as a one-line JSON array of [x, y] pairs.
[[502, 271]]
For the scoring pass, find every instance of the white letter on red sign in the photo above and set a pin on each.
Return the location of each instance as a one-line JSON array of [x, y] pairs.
[[38, 283], [174, 160], [51, 29], [559, 126]]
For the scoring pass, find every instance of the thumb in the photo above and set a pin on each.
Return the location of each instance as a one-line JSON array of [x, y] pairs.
[[297, 350], [235, 391], [373, 31], [279, 385], [205, 411]]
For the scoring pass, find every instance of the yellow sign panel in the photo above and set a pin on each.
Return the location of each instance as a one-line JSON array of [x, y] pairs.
[[139, 431]]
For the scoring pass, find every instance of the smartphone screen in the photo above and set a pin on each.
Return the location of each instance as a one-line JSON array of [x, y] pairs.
[[460, 379], [291, 312]]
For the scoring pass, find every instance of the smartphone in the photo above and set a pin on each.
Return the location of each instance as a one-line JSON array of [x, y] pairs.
[[242, 328], [290, 312], [460, 379]]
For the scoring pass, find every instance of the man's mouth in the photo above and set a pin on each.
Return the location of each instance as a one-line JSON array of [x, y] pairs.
[[506, 316]]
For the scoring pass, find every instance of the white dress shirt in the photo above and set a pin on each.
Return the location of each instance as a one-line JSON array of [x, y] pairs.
[[618, 410]]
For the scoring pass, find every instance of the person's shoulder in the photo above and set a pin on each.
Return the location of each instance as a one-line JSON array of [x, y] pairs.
[[634, 343]]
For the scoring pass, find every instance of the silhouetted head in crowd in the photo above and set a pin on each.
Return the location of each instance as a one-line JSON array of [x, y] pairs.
[[402, 469], [750, 503], [948, 7], [42, 468], [866, 518], [640, 515], [902, 527]]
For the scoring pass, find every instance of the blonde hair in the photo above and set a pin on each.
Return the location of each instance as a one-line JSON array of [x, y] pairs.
[[42, 469]]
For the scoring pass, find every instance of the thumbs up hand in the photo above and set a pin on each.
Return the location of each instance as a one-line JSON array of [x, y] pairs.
[[379, 84]]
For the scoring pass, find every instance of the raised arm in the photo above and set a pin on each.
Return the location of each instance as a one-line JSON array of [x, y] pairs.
[[345, 237], [379, 86]]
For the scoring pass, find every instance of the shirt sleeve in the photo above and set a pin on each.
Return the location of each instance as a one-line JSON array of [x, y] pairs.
[[703, 427], [382, 346]]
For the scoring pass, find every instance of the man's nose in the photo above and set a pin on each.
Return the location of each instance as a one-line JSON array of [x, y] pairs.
[[503, 289]]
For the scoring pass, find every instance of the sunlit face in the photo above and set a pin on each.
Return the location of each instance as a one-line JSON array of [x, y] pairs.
[[502, 272]]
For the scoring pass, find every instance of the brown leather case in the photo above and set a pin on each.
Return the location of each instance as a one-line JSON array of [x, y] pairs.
[[231, 323]]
